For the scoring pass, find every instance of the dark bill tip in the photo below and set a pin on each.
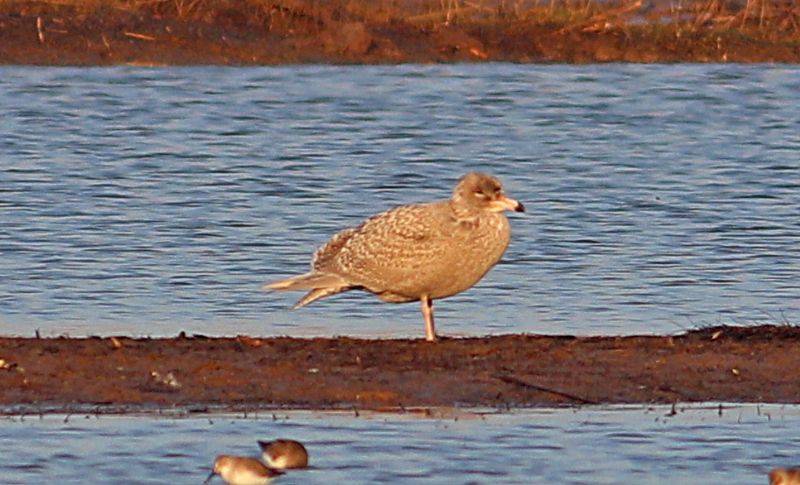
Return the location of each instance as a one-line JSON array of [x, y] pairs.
[[519, 207]]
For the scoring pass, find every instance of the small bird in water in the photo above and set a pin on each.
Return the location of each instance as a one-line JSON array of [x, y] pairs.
[[784, 476], [284, 454], [239, 470], [419, 252]]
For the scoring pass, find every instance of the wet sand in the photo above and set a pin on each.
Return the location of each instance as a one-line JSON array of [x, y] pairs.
[[197, 373]]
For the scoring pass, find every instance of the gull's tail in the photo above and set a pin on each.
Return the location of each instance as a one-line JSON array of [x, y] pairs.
[[320, 284]]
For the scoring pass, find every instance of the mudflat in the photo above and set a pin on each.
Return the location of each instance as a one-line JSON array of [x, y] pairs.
[[198, 373]]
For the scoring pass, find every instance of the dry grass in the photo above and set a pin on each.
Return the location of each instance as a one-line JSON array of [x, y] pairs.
[[758, 18]]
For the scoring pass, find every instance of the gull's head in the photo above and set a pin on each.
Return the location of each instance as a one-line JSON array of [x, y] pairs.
[[484, 192]]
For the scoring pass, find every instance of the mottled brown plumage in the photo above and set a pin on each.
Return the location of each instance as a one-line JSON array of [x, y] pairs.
[[284, 454], [418, 252], [784, 476]]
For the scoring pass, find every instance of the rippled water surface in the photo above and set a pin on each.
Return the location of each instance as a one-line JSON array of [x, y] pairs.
[[588, 446], [149, 201]]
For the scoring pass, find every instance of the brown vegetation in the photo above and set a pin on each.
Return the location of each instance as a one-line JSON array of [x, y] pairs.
[[393, 31]]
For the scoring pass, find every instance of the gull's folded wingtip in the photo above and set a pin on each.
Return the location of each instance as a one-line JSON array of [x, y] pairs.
[[284, 284], [271, 286]]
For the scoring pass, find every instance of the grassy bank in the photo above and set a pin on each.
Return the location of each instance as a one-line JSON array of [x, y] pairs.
[[281, 31], [763, 19]]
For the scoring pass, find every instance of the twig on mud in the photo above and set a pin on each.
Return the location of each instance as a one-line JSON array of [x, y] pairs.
[[528, 385], [447, 14], [140, 36], [40, 29], [600, 22]]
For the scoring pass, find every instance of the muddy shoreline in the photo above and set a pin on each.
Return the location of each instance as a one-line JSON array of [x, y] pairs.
[[199, 374], [42, 33]]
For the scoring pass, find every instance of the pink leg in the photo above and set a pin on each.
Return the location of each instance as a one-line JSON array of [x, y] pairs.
[[427, 314]]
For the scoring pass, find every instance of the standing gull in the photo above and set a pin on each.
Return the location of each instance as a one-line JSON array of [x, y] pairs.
[[418, 252]]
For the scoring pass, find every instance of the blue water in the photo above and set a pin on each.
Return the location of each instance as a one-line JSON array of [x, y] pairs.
[[582, 446], [150, 201]]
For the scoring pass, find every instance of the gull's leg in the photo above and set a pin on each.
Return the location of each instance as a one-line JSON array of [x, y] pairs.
[[427, 314]]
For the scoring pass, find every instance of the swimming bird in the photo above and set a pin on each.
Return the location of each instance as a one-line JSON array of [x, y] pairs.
[[240, 470], [784, 476], [284, 454], [419, 252]]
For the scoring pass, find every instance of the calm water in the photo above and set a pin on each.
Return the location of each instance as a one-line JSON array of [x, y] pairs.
[[589, 446], [149, 201]]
